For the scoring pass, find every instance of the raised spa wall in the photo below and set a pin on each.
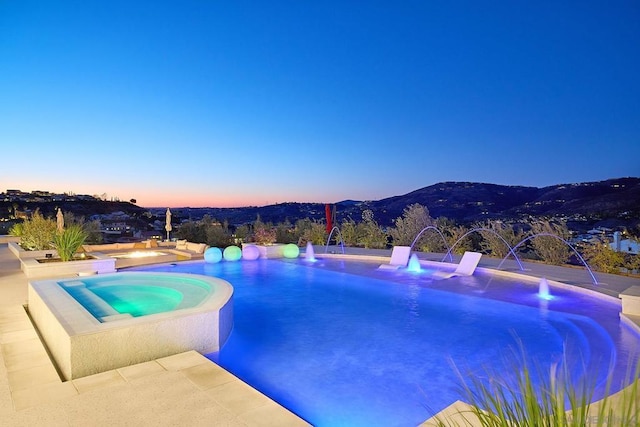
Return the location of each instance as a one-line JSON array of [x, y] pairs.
[[81, 345]]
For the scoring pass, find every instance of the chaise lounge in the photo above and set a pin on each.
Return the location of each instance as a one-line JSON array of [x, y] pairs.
[[467, 265], [399, 258]]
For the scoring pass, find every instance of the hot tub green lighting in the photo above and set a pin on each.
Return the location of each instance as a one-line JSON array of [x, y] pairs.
[[140, 300]]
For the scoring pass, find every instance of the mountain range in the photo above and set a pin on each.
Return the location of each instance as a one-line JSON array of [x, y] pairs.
[[613, 203], [464, 202]]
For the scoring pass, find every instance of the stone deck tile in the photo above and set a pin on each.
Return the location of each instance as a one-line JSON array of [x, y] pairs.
[[182, 361], [140, 370], [98, 381], [208, 375]]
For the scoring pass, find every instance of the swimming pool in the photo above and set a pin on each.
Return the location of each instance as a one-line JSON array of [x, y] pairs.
[[340, 343]]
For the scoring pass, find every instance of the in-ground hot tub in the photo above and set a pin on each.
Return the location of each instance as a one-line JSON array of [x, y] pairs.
[[97, 323]]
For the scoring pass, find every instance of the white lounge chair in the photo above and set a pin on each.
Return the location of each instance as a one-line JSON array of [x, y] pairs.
[[466, 266], [399, 258]]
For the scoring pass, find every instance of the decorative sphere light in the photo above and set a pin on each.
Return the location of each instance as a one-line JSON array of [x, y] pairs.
[[232, 253], [212, 255], [250, 252], [291, 250]]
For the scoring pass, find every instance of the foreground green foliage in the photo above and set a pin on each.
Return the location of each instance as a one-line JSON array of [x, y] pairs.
[[543, 399], [36, 233], [495, 234], [413, 220], [372, 236], [311, 231], [551, 250], [69, 241], [91, 228], [602, 258], [456, 234], [286, 233], [207, 230], [263, 233]]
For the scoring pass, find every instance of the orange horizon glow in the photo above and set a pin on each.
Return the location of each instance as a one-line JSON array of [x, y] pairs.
[[205, 202], [183, 197]]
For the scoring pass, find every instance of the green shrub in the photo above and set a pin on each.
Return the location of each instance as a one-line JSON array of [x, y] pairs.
[[370, 234], [263, 233], [207, 230], [218, 235], [92, 228], [348, 232], [37, 233], [550, 245], [602, 258], [454, 234], [414, 219], [496, 235], [243, 232], [285, 232], [314, 232], [17, 229], [192, 231]]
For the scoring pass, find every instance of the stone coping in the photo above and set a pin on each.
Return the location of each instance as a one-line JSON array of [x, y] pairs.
[[631, 301], [185, 388]]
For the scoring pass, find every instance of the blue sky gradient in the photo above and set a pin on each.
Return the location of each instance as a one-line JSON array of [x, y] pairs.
[[198, 103]]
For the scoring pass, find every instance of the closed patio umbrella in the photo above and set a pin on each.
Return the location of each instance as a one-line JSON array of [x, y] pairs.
[[60, 220], [167, 225], [327, 212]]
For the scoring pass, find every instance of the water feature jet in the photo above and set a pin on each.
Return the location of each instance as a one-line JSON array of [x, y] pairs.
[[479, 229], [309, 254], [431, 227], [414, 264], [555, 236], [543, 290], [335, 228]]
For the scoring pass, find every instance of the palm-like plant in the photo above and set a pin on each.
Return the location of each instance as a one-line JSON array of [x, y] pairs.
[[69, 240]]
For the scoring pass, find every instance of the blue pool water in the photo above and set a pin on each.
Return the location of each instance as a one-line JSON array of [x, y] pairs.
[[341, 343]]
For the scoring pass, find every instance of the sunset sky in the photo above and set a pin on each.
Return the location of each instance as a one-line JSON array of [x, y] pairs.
[[236, 103]]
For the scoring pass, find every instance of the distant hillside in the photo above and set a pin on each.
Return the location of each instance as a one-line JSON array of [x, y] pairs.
[[464, 202], [237, 216], [468, 202], [84, 208], [461, 201]]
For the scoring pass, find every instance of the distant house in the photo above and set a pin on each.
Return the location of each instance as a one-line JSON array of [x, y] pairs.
[[599, 230], [624, 245]]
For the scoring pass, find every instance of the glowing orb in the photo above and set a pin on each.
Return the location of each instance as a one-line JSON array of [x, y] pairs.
[[212, 255], [250, 252], [232, 253], [291, 250]]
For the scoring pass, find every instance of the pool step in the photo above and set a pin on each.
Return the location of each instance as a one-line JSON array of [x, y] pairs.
[[90, 301]]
